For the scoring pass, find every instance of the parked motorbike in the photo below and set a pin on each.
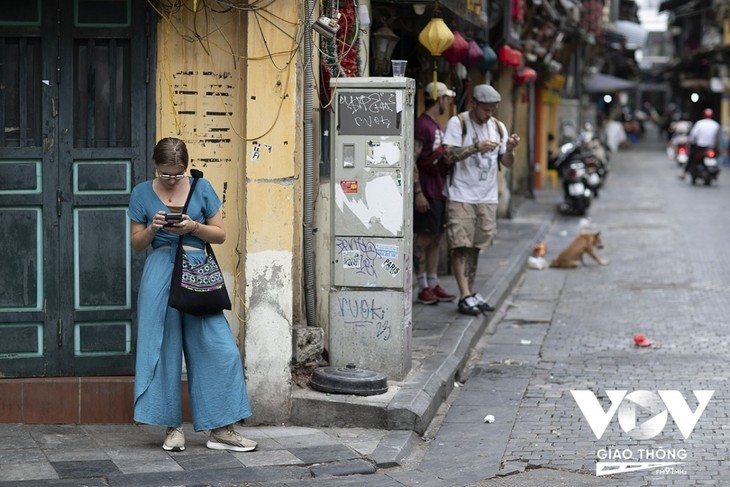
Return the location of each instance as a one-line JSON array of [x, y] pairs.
[[596, 157], [706, 167], [573, 173], [594, 174]]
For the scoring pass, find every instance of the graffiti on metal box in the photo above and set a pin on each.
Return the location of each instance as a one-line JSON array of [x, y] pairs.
[[365, 313], [349, 247], [368, 103]]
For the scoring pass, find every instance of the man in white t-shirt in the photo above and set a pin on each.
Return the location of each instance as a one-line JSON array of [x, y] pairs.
[[476, 144]]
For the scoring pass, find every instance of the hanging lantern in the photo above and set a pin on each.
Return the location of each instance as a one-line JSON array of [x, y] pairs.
[[436, 37], [525, 75], [509, 56], [489, 60], [473, 56], [456, 52]]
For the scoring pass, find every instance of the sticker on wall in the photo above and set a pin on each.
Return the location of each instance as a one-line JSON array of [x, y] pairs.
[[348, 186], [391, 267], [351, 259], [390, 251]]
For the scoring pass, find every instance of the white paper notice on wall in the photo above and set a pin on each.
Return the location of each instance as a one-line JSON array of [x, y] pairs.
[[398, 101], [383, 153]]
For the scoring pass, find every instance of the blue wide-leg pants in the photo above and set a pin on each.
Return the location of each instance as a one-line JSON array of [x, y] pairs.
[[215, 376]]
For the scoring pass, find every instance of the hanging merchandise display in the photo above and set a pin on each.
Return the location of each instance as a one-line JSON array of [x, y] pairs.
[[525, 75], [489, 59], [347, 40], [342, 57], [473, 56], [436, 37], [456, 52], [509, 56]]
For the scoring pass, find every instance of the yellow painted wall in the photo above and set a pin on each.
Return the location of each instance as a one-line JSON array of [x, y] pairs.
[[503, 84], [227, 84], [550, 98], [274, 161], [199, 88]]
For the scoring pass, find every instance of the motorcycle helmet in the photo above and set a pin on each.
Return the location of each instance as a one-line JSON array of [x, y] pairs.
[[708, 113]]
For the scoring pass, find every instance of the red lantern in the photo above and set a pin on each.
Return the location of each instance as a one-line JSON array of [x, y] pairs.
[[457, 51], [525, 75], [473, 56], [509, 56]]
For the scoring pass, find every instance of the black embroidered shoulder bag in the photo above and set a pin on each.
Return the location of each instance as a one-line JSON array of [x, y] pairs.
[[197, 289]]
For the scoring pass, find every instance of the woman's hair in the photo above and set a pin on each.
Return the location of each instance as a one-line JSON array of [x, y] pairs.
[[170, 151]]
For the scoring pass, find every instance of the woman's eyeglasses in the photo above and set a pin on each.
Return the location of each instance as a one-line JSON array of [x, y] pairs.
[[176, 177]]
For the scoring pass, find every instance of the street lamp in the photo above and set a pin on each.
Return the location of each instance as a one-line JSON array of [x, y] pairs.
[[385, 41]]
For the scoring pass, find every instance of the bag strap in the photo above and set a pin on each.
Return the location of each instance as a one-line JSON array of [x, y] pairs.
[[196, 177], [500, 129], [463, 127]]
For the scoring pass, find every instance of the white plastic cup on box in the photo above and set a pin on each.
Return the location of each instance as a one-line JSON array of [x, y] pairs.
[[399, 67]]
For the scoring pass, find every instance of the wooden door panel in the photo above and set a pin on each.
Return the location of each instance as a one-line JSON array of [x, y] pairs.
[[21, 288], [102, 258], [73, 142]]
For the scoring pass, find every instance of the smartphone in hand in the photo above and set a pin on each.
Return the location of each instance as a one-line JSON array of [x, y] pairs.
[[172, 218]]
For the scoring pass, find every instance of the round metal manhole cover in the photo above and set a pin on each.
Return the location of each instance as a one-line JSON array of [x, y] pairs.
[[349, 380]]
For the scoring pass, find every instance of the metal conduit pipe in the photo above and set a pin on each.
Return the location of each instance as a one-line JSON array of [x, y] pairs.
[[308, 199]]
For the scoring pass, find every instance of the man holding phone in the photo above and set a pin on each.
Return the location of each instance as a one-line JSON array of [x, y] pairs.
[[476, 144]]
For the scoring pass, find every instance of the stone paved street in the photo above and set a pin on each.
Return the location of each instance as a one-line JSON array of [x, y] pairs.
[[668, 278]]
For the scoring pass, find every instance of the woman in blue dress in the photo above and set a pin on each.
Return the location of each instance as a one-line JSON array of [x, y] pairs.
[[216, 384]]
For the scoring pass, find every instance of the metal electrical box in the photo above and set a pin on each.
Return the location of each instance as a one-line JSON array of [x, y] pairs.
[[372, 211]]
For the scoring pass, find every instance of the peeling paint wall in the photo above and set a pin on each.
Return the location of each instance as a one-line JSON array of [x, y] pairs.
[[273, 207], [227, 84]]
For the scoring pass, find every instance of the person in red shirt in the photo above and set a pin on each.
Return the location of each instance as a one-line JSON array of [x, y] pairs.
[[429, 203]]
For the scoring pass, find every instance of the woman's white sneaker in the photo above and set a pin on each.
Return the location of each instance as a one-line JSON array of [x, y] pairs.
[[175, 440], [228, 439]]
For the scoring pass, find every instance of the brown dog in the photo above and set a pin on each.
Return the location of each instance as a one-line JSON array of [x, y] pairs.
[[583, 244]]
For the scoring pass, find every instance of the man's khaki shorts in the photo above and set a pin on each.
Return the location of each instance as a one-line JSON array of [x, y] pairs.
[[470, 225]]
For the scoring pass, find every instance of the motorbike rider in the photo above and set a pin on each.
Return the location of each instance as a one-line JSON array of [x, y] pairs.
[[704, 135]]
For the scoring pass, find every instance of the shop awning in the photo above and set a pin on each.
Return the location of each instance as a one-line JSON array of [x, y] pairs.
[[677, 4], [605, 83]]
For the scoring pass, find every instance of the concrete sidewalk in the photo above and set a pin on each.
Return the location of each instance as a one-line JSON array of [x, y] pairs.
[[335, 435]]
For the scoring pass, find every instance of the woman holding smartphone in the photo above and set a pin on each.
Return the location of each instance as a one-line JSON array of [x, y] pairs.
[[215, 376]]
